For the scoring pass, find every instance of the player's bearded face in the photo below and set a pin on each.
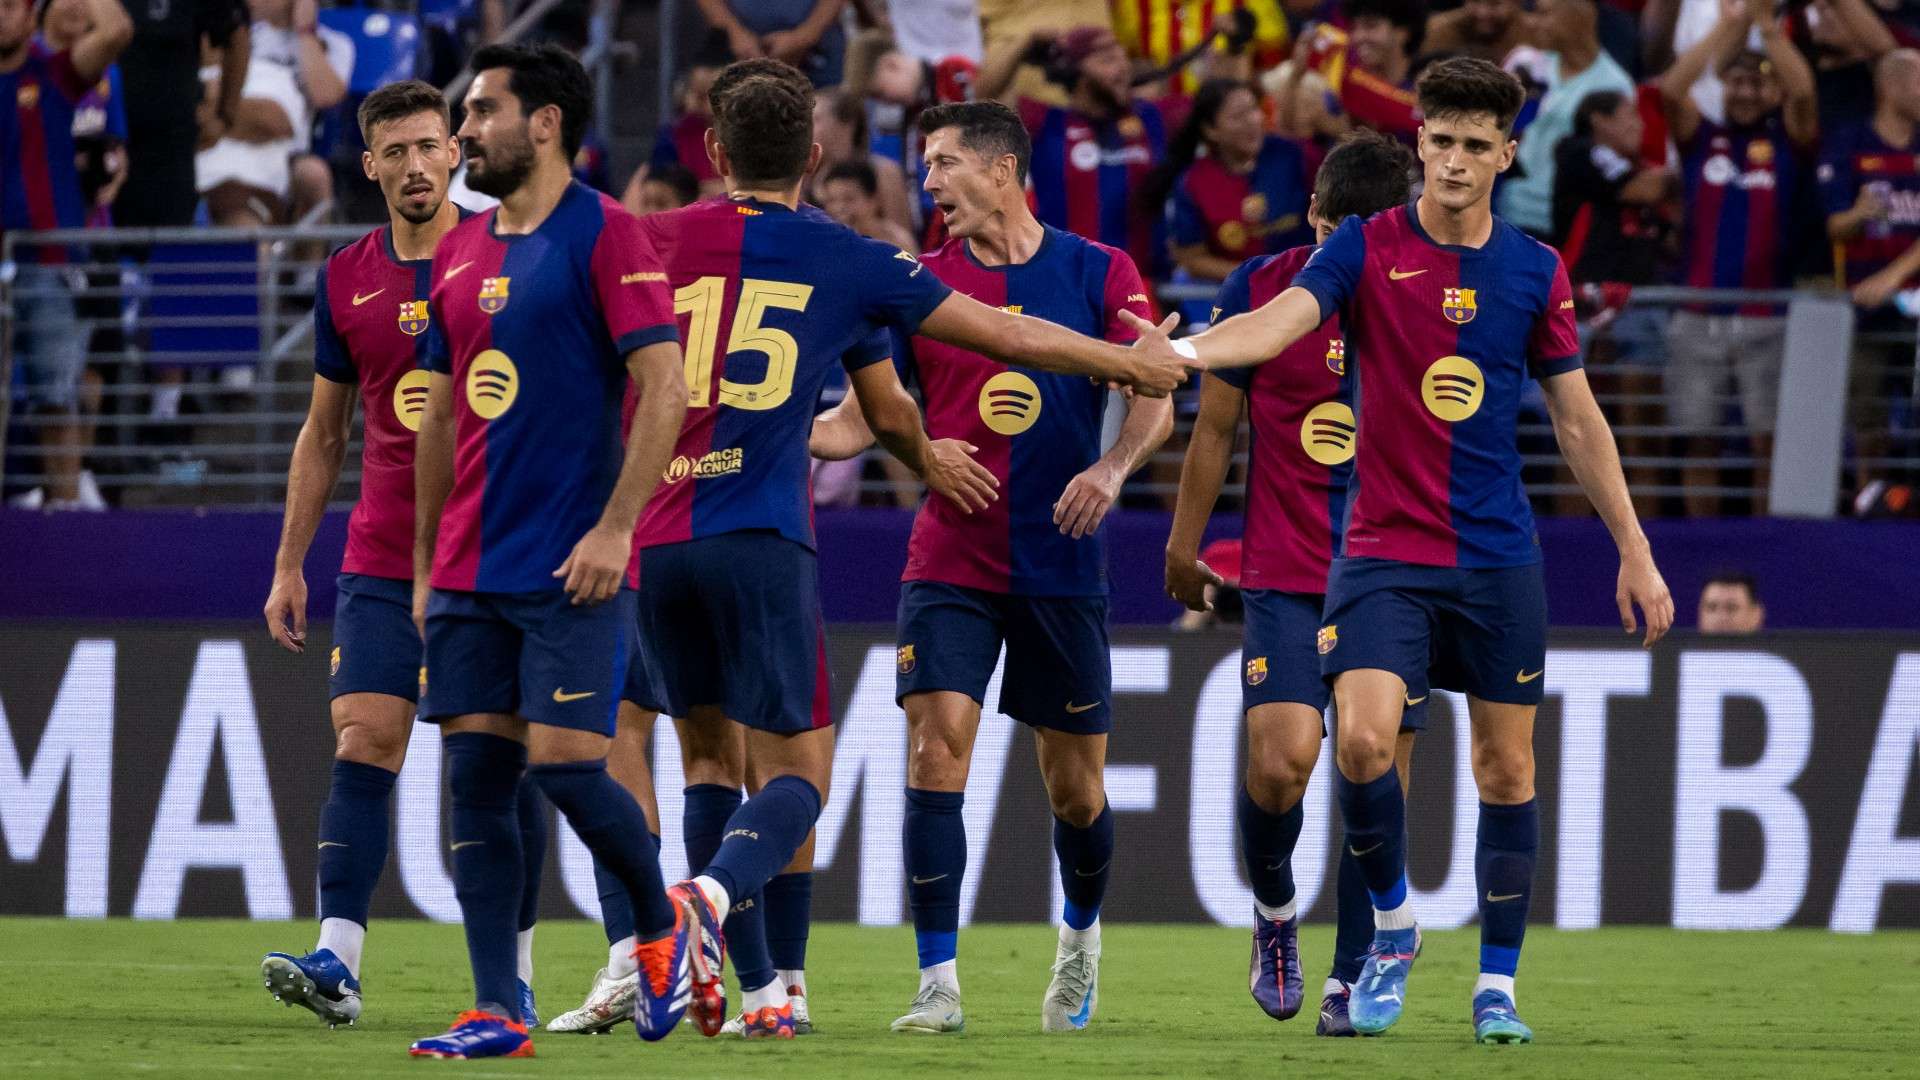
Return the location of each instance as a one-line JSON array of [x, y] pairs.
[[1462, 154], [495, 136]]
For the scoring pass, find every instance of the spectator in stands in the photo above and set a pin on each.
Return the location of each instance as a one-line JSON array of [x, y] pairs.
[[681, 141], [850, 193], [1338, 79], [932, 30], [160, 74], [1485, 29], [1872, 195], [1745, 180], [840, 127], [1845, 39], [668, 187], [1245, 196], [804, 33], [1571, 67], [43, 188], [261, 170], [1091, 155], [1730, 605]]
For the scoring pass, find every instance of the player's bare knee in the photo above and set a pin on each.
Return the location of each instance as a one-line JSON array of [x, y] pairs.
[[1275, 778], [370, 740], [1079, 806], [1363, 755], [1503, 773]]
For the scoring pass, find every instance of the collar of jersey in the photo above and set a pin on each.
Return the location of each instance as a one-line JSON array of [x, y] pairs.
[[760, 204], [386, 244], [1046, 241], [1465, 252]]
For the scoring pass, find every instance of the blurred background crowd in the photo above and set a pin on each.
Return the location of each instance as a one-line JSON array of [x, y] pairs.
[[1704, 144]]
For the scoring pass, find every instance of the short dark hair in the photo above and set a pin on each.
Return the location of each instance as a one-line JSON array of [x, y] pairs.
[[763, 115], [685, 185], [987, 128], [543, 75], [1363, 174], [1598, 103], [397, 101], [859, 172], [1742, 578], [1463, 85], [1408, 15]]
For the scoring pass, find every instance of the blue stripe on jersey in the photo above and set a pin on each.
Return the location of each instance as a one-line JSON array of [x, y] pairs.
[[1486, 496]]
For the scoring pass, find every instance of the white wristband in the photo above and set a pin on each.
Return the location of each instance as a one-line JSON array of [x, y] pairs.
[[1185, 348]]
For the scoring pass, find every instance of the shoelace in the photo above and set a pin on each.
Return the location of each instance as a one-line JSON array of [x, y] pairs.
[[475, 1016], [1075, 972]]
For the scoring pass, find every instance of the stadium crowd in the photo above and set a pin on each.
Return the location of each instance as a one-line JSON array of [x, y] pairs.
[[1706, 143]]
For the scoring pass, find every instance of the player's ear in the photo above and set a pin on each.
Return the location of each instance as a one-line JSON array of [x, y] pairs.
[[813, 159], [366, 164], [1506, 157], [453, 153], [716, 154]]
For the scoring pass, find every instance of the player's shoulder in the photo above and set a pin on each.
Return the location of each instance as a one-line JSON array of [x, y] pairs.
[[467, 230], [951, 253], [355, 255], [1519, 251]]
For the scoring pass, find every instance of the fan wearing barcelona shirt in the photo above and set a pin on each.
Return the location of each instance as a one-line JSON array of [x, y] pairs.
[[1299, 406], [369, 327], [773, 294], [1340, 79], [1028, 572], [1446, 311]]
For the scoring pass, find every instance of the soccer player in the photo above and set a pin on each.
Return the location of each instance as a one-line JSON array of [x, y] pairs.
[[1300, 407], [1029, 572], [1446, 312], [542, 309], [369, 321], [772, 295]]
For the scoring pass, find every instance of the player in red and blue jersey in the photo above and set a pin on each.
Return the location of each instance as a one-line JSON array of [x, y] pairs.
[[541, 310], [1028, 572], [773, 294], [1299, 407], [1446, 312], [370, 320]]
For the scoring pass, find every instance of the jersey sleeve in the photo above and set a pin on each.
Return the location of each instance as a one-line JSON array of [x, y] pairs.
[[1554, 347], [1124, 292], [876, 346], [630, 285], [1235, 298], [1189, 226], [331, 361], [1333, 272], [116, 104], [897, 289]]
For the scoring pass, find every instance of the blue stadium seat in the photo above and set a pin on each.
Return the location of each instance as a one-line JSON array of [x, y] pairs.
[[386, 45]]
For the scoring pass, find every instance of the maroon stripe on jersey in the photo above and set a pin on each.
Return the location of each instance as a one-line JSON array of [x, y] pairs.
[[1082, 185], [35, 173], [1706, 216], [456, 557]]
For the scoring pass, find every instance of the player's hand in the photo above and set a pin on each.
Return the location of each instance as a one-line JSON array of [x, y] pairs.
[[597, 564], [421, 591], [1187, 581], [954, 475], [287, 611], [1161, 369], [1641, 584], [1084, 505]]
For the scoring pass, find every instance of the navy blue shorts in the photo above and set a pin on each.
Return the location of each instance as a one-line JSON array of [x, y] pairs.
[[534, 655], [643, 674], [734, 621], [1278, 659], [1059, 671], [376, 648], [1479, 631]]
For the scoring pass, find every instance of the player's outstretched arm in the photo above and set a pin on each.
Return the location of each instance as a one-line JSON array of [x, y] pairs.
[[1022, 339], [1242, 341], [1087, 498], [597, 565], [1586, 441], [317, 456], [945, 465], [1209, 455], [841, 432], [432, 480]]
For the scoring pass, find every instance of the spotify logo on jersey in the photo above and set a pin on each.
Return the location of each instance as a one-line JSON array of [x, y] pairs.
[[410, 398], [1327, 433], [1010, 403], [492, 384], [1452, 388]]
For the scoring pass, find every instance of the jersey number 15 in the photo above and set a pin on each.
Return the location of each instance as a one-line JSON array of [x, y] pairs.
[[701, 301]]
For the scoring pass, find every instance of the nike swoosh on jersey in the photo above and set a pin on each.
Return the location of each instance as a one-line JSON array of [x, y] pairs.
[[1523, 677], [1072, 708], [561, 697], [358, 299], [448, 276], [1401, 275]]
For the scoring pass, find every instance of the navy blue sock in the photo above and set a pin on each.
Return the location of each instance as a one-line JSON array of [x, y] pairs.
[[483, 772], [1085, 857], [1503, 853], [1353, 918], [936, 848], [355, 829], [1266, 847], [763, 834], [616, 907], [1376, 817], [614, 828], [531, 808], [703, 821], [746, 931], [789, 916]]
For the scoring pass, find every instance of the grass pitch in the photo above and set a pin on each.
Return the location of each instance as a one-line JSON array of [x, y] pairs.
[[119, 998]]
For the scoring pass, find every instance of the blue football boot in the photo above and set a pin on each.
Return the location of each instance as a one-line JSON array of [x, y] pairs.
[[1274, 973], [1495, 1021], [1381, 990], [318, 982], [477, 1034]]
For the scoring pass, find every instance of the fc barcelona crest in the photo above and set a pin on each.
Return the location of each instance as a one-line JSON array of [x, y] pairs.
[[1256, 670], [1456, 304], [1337, 355], [413, 317], [493, 295], [1328, 638], [903, 659]]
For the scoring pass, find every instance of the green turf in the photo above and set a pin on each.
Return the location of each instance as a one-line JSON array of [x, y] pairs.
[[110, 999]]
